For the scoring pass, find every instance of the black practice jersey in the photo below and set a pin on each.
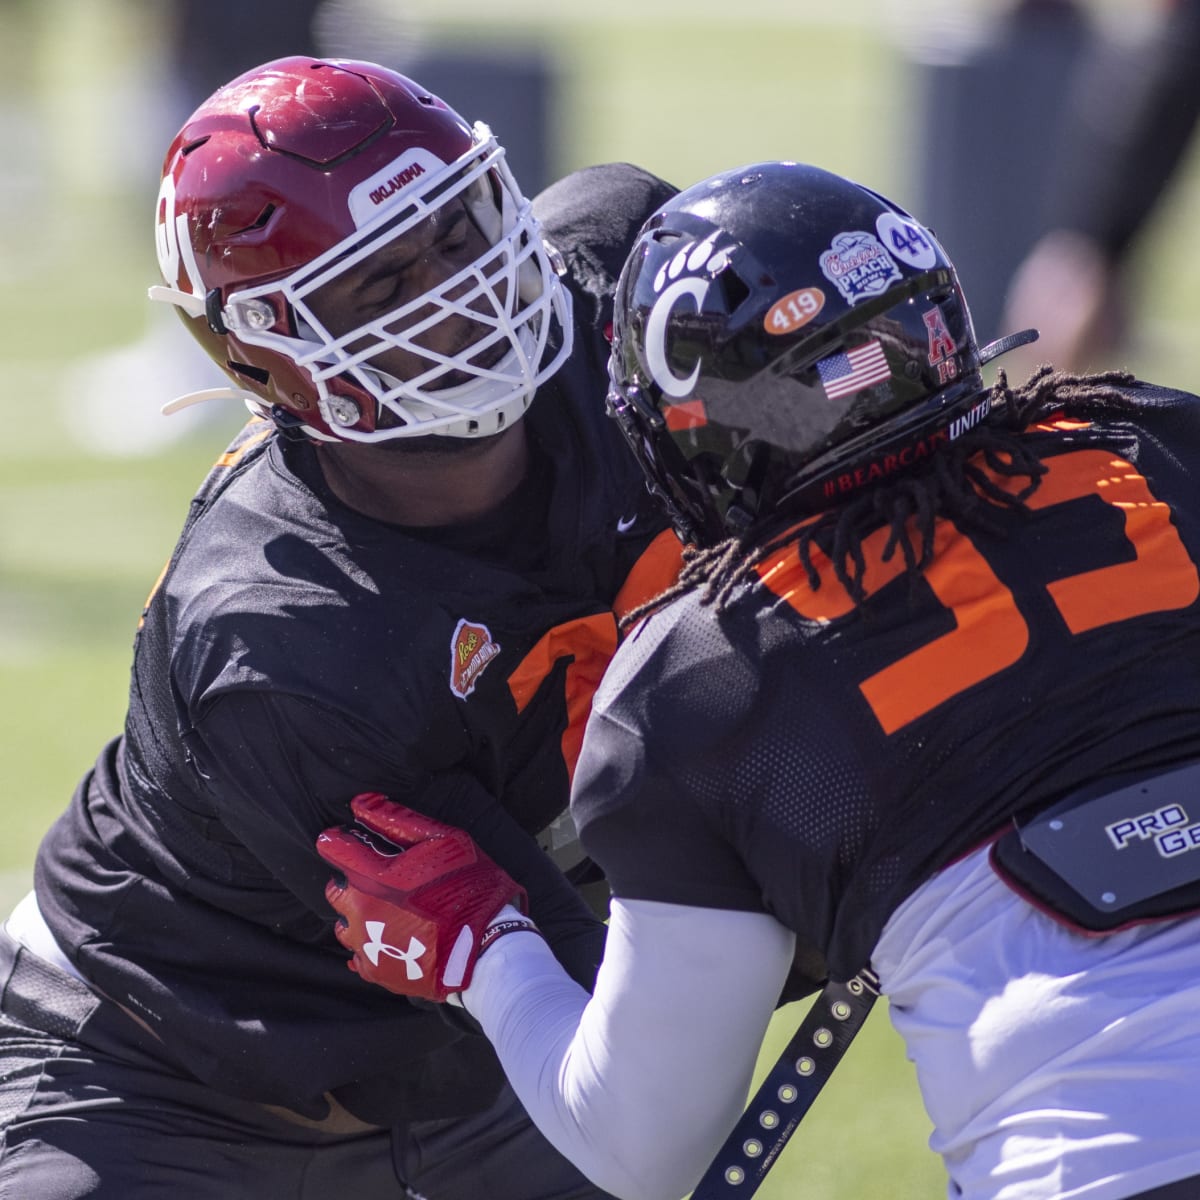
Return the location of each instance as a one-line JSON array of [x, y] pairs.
[[803, 757], [296, 653]]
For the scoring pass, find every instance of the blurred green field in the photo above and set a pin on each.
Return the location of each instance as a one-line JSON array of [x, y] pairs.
[[680, 88]]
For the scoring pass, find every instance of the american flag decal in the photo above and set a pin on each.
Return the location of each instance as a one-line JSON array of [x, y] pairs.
[[844, 373]]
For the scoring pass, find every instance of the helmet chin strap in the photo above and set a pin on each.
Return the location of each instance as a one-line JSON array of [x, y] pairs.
[[191, 304], [194, 306], [1009, 342], [217, 393], [386, 381]]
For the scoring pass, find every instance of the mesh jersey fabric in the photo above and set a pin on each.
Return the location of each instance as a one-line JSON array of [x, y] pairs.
[[802, 757]]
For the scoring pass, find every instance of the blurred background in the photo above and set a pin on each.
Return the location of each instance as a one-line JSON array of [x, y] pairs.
[[1048, 143]]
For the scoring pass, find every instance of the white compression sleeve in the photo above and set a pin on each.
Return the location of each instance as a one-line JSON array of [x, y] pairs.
[[639, 1083]]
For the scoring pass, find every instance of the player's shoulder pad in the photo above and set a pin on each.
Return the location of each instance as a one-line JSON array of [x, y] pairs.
[[1142, 392], [608, 198], [593, 215], [247, 446]]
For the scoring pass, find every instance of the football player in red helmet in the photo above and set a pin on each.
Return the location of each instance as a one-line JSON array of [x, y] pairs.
[[405, 575], [359, 279], [362, 265], [921, 714]]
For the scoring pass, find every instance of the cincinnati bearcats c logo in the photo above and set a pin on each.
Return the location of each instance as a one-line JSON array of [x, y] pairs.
[[695, 257], [656, 336]]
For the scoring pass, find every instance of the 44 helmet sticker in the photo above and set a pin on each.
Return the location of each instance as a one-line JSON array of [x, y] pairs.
[[910, 242]]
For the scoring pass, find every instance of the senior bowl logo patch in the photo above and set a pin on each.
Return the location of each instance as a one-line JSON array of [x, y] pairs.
[[859, 266], [471, 649]]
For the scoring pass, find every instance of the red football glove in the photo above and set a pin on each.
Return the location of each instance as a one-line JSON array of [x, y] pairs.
[[413, 913]]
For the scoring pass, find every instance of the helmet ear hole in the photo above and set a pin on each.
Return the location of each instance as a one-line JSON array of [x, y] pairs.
[[734, 288]]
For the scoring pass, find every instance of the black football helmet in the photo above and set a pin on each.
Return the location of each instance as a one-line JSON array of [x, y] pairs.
[[786, 337]]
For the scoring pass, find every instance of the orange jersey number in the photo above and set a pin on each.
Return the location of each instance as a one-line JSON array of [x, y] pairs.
[[989, 631], [588, 643]]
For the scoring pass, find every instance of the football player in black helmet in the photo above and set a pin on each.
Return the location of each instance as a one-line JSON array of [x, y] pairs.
[[771, 353], [925, 702]]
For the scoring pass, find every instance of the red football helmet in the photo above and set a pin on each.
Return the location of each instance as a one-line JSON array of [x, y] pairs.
[[297, 172]]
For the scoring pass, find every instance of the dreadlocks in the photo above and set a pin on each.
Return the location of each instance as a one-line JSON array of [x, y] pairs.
[[959, 482]]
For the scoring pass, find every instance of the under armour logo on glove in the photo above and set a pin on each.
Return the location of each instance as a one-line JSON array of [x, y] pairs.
[[377, 946], [427, 887]]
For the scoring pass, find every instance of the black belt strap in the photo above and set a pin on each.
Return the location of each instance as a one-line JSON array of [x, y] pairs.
[[790, 1088]]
